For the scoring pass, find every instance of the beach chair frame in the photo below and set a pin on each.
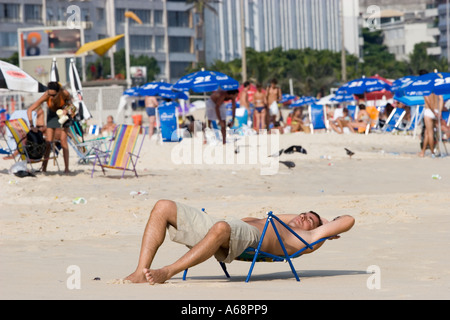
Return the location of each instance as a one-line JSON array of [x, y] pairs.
[[391, 127], [257, 255], [19, 135], [122, 146], [85, 149]]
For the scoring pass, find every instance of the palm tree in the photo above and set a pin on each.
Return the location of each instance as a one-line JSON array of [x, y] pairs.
[[199, 7]]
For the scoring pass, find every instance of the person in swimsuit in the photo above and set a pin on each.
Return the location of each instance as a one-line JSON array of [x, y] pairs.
[[207, 236], [151, 103], [216, 109], [260, 102], [274, 97], [297, 121], [362, 119], [57, 98]]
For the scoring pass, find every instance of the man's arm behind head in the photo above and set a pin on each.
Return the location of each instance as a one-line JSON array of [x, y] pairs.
[[333, 228]]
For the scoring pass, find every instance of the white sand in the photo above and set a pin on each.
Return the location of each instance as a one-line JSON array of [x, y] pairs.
[[402, 218]]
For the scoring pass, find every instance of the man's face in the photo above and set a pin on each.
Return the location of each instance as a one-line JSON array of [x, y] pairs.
[[305, 221]]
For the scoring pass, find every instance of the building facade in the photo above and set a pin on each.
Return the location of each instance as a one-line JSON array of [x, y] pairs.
[[289, 24], [166, 32]]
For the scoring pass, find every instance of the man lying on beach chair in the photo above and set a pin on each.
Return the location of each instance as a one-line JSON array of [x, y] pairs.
[[225, 240]]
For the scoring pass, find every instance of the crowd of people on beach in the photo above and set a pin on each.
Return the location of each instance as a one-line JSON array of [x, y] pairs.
[[264, 109]]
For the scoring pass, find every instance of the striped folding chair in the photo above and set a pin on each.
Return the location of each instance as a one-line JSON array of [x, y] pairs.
[[18, 128], [121, 154]]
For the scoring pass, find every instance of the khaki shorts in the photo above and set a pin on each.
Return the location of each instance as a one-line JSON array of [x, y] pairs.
[[193, 225]]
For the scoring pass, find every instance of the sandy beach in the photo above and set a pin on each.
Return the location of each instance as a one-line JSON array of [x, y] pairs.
[[401, 230]]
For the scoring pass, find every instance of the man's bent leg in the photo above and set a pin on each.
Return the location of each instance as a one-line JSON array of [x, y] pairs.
[[164, 213], [216, 239]]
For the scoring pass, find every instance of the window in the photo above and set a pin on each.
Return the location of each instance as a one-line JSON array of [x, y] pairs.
[[8, 39], [178, 19], [158, 17], [159, 44], [144, 15], [142, 43], [33, 13], [178, 69], [180, 44], [9, 12]]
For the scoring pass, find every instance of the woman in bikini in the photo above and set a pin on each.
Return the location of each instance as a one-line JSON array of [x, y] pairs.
[[56, 98], [260, 102]]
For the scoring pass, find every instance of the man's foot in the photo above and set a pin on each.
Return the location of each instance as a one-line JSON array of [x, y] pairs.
[[156, 276], [136, 277]]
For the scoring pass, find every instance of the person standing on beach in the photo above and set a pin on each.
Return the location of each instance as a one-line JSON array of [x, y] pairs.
[[216, 109], [57, 98], [151, 103], [433, 107], [274, 97], [244, 100], [260, 102]]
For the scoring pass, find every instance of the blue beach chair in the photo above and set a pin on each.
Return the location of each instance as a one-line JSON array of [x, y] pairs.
[[394, 120], [255, 255], [317, 117]]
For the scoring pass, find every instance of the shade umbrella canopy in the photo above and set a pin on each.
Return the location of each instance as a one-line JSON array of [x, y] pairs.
[[364, 85], [424, 85], [206, 81], [77, 92], [400, 83], [15, 79], [100, 47], [161, 89], [343, 98], [304, 101]]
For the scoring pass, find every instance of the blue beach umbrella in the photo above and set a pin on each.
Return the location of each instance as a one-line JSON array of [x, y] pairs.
[[161, 89], [399, 84], [343, 98], [132, 92], [304, 101], [424, 85], [363, 85], [206, 81]]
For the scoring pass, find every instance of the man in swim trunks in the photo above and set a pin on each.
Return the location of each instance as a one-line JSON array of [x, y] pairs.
[[226, 240], [216, 109], [151, 103]]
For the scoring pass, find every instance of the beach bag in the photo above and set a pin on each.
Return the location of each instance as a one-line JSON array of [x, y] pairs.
[[35, 145]]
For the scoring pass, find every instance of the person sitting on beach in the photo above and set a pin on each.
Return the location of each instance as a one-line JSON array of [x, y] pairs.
[[109, 127], [341, 122], [297, 124], [225, 240], [362, 120]]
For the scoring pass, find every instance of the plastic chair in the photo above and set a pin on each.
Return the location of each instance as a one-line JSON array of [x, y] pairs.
[[121, 154]]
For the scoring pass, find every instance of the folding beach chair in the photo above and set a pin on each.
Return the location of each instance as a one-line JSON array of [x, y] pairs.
[[317, 117], [121, 154], [254, 255], [85, 149], [394, 120], [18, 128]]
